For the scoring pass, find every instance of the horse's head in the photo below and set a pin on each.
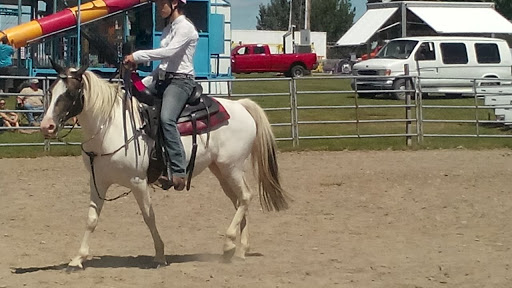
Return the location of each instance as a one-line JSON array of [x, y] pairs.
[[67, 99]]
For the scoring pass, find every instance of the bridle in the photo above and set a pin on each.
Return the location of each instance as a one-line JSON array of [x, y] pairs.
[[74, 108]]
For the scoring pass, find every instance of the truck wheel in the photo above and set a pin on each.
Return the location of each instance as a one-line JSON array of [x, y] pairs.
[[344, 67], [297, 71]]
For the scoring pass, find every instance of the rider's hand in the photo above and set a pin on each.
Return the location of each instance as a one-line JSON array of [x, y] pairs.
[[129, 62]]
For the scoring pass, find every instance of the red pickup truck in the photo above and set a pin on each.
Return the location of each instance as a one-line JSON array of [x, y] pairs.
[[249, 58]]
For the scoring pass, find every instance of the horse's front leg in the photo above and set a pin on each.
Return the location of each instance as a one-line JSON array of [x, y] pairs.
[[95, 207], [141, 193]]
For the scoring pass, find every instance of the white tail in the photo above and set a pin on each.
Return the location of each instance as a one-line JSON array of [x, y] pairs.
[[263, 154]]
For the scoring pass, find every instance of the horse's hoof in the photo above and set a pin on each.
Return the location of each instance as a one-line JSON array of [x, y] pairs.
[[161, 265], [157, 265], [71, 269], [228, 255]]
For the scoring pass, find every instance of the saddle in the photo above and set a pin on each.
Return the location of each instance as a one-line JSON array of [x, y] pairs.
[[200, 115]]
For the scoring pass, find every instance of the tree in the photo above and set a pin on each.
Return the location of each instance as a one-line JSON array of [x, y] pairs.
[[274, 15], [502, 6], [505, 8], [331, 16]]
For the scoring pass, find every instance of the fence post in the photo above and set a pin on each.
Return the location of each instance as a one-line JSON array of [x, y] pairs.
[[230, 88], [46, 103], [294, 112], [408, 123], [477, 120], [419, 110]]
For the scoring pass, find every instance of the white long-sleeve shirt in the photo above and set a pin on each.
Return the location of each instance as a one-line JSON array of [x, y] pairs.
[[177, 47]]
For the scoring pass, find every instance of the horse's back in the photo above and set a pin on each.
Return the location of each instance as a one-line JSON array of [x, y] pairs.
[[241, 128], [230, 142]]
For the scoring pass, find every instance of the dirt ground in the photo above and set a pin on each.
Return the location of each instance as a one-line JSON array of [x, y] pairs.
[[359, 219]]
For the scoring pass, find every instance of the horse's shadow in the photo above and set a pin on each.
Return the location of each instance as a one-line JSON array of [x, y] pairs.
[[141, 262]]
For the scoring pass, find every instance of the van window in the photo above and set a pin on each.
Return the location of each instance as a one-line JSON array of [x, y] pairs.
[[426, 52], [259, 50], [454, 53], [487, 53], [399, 49]]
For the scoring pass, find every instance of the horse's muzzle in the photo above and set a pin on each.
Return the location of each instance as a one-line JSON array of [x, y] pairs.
[[48, 128]]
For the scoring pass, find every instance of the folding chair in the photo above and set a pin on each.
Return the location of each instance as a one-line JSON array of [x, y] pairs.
[[38, 116]]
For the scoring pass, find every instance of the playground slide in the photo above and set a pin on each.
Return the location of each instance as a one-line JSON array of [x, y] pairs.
[[18, 36]]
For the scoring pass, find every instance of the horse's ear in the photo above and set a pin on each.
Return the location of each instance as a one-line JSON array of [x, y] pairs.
[[60, 70], [81, 71]]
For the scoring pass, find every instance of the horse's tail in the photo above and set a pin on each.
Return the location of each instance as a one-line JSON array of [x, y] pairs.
[[263, 155]]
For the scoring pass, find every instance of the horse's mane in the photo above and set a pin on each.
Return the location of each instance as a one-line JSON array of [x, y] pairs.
[[100, 96]]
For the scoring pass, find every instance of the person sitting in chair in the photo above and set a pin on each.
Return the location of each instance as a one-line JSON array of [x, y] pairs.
[[9, 119], [31, 98]]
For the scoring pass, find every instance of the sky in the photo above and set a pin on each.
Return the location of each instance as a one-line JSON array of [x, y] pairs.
[[244, 12]]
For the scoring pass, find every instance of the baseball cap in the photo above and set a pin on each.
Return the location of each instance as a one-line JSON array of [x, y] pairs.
[[34, 81]]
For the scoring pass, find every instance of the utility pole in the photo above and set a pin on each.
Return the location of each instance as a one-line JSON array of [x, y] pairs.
[[290, 16], [307, 13]]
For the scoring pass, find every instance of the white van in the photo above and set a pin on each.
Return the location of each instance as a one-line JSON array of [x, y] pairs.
[[446, 65]]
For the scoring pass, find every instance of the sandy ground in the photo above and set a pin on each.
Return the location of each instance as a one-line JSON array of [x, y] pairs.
[[359, 219]]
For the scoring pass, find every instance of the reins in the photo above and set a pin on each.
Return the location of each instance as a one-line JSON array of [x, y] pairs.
[[92, 155]]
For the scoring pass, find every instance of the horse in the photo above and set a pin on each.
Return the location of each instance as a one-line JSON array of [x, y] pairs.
[[114, 158]]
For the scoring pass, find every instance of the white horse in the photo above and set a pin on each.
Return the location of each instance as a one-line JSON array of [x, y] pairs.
[[98, 106]]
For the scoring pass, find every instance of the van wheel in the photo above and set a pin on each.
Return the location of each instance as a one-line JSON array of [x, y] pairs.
[[399, 84], [488, 83], [297, 71]]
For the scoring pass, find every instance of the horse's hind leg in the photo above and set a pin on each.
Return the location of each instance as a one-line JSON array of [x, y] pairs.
[[233, 183], [95, 207], [143, 198]]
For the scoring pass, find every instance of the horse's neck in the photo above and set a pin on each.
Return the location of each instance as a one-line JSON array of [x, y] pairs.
[[109, 127]]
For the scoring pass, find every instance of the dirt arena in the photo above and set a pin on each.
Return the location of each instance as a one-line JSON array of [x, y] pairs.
[[359, 219]]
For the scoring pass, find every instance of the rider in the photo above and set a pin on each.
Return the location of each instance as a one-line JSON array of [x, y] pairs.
[[173, 79]]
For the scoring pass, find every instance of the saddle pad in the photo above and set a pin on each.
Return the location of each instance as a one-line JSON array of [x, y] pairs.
[[202, 125]]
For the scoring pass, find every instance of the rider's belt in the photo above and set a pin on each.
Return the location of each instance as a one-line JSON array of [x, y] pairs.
[[173, 75]]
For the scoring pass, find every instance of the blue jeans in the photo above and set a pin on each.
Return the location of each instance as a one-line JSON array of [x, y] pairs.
[[174, 99], [30, 115]]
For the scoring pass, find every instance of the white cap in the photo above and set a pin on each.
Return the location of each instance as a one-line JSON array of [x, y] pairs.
[[34, 81]]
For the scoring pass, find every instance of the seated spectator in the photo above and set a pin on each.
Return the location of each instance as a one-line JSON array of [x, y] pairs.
[[9, 119], [31, 98]]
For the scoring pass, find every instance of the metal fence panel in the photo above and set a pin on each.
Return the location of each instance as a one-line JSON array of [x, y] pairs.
[[297, 107]]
